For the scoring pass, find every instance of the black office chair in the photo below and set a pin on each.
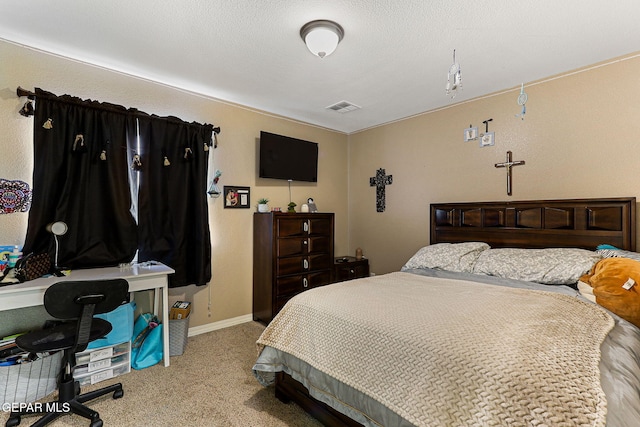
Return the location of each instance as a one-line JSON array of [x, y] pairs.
[[77, 302]]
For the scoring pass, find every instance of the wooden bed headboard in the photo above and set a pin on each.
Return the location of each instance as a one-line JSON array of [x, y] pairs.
[[578, 223]]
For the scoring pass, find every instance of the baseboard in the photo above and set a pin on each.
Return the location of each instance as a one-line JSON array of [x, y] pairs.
[[197, 330]]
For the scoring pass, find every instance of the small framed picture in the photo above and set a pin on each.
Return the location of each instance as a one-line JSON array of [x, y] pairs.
[[470, 134], [236, 197], [487, 139]]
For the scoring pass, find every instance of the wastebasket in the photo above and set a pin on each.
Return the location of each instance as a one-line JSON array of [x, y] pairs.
[[178, 334]]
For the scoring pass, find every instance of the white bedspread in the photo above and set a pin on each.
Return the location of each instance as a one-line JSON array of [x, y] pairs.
[[447, 352]]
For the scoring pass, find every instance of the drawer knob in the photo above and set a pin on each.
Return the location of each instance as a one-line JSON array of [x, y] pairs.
[[305, 283], [305, 264]]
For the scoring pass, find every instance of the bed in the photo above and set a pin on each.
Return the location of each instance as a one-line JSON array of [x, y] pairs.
[[452, 339]]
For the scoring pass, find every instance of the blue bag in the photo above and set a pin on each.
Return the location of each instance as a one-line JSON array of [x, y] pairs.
[[121, 320], [146, 343]]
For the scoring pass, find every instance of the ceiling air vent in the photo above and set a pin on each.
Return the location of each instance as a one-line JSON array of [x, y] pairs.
[[343, 107]]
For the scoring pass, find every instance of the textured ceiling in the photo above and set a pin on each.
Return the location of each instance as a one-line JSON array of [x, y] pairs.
[[392, 62]]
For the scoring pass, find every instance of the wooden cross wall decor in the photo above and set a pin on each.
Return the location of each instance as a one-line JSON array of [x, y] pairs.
[[380, 181], [508, 164]]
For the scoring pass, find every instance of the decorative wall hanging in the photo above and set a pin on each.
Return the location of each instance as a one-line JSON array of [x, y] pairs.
[[236, 197], [213, 190], [522, 101], [508, 164], [454, 78], [15, 196], [470, 134], [487, 138], [380, 181]]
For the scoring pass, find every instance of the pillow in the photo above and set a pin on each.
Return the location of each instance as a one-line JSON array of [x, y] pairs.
[[458, 257], [551, 266], [608, 251], [586, 290], [607, 277]]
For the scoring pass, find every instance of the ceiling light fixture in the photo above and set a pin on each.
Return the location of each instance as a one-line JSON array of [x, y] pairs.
[[321, 36]]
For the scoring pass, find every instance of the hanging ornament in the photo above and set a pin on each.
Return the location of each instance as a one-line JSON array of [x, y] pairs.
[[454, 78], [78, 144], [522, 101], [188, 154], [103, 153], [213, 190], [27, 109], [136, 163], [216, 131], [166, 161], [48, 124]]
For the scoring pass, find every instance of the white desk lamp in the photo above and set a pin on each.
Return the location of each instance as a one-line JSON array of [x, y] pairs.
[[57, 228]]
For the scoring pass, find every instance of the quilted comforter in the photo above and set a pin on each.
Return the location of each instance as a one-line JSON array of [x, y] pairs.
[[448, 352]]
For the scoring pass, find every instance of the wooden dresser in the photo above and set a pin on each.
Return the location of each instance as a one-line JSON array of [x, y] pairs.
[[292, 252]]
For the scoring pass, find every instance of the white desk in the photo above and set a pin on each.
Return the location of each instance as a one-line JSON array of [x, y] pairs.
[[140, 278]]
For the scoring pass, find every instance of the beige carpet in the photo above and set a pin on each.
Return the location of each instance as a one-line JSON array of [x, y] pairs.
[[211, 384]]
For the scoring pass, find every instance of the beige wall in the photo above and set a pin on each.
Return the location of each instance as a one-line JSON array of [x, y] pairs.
[[231, 229], [580, 138]]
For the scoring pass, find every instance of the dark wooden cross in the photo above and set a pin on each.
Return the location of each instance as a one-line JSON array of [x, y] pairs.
[[380, 181], [508, 164]]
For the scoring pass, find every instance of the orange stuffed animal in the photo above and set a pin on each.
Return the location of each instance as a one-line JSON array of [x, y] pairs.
[[607, 278]]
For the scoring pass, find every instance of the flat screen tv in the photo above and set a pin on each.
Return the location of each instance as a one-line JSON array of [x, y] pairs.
[[282, 157]]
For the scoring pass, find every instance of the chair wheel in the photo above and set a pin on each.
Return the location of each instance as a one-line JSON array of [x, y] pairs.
[[118, 394], [96, 423], [13, 421]]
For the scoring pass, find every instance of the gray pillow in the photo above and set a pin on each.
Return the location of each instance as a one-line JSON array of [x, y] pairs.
[[458, 257], [552, 266]]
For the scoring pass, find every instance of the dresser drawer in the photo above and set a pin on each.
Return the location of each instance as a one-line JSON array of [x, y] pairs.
[[293, 226], [302, 264], [291, 285], [303, 245]]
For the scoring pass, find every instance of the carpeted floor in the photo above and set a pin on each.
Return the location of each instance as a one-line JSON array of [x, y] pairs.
[[211, 384]]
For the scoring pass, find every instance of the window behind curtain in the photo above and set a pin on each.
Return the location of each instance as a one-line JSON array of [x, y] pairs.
[[88, 187]]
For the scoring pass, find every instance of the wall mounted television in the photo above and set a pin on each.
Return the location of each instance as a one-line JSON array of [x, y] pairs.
[[291, 159]]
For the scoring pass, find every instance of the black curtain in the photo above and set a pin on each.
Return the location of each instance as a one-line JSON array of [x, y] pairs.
[[72, 183], [84, 175], [172, 201]]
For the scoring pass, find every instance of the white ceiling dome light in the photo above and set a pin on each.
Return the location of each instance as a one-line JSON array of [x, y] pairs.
[[321, 36]]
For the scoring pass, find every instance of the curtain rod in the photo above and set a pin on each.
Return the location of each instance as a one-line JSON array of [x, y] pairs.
[[24, 92], [31, 95]]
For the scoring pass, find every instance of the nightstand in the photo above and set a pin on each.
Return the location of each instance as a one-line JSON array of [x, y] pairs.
[[348, 267]]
